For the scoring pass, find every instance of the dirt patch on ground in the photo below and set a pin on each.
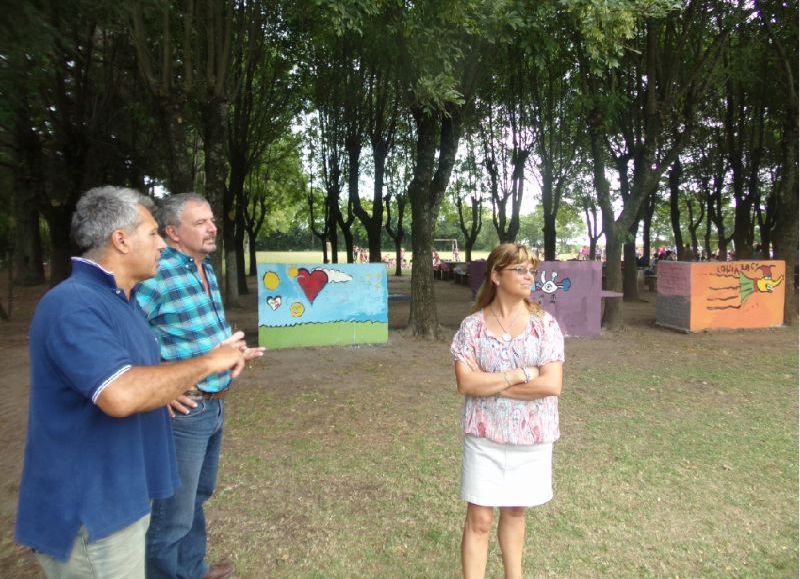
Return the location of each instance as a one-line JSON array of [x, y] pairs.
[[417, 360]]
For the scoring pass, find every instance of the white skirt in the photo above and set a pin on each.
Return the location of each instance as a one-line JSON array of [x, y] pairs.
[[506, 475]]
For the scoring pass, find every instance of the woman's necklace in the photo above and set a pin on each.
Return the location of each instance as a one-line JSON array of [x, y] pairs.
[[506, 335]]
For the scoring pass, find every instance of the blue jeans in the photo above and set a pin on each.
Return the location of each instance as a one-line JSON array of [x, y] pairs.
[[176, 540]]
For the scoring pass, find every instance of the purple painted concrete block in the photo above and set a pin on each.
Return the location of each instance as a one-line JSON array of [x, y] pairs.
[[569, 290]]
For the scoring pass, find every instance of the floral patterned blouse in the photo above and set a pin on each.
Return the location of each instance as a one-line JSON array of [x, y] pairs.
[[501, 419]]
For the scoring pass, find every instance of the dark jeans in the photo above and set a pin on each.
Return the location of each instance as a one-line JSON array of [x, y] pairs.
[[176, 540]]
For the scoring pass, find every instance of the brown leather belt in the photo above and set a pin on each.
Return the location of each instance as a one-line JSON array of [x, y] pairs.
[[195, 393]]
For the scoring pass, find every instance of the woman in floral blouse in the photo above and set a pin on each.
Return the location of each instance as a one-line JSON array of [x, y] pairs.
[[508, 364]]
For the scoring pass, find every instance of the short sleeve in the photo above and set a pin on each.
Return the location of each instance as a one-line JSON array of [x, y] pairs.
[[552, 341], [86, 349], [462, 348]]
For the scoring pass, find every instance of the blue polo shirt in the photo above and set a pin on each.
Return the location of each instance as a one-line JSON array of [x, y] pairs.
[[83, 467]]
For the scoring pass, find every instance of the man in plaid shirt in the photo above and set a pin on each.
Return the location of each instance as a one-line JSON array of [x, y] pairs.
[[184, 307]]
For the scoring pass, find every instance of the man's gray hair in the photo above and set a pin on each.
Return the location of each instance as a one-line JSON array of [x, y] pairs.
[[170, 209], [103, 210]]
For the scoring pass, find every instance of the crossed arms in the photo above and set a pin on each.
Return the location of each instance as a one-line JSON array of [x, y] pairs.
[[546, 380]]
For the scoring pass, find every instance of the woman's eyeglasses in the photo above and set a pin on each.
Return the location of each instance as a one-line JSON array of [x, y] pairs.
[[519, 270]]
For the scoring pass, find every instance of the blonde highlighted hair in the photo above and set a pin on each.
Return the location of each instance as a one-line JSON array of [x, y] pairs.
[[501, 257]]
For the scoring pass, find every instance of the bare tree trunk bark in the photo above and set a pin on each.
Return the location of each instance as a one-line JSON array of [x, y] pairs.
[[222, 204], [29, 255], [785, 237], [425, 193], [675, 176]]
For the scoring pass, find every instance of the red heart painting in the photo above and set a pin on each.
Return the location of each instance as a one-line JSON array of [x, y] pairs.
[[311, 282]]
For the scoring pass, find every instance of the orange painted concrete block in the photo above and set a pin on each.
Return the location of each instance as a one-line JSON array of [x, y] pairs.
[[732, 295]]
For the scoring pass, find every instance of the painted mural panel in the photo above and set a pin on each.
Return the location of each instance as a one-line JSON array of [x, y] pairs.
[[569, 290], [737, 294], [721, 295], [322, 305]]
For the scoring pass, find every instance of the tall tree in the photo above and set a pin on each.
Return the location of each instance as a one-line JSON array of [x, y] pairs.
[[190, 83], [675, 180], [744, 124], [507, 145], [162, 37], [398, 173], [554, 119], [443, 44], [384, 113], [780, 22], [265, 100], [659, 87], [67, 80], [466, 187], [274, 194]]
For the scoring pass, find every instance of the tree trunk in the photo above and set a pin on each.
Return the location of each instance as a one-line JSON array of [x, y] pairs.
[[239, 234], [333, 229], [471, 232], [28, 250], [742, 221], [425, 192], [648, 221], [251, 238], [785, 236], [179, 161], [347, 233], [373, 225], [423, 318], [549, 215], [29, 191], [590, 211], [218, 195], [675, 176], [709, 222], [630, 285], [235, 193], [612, 314], [549, 231], [59, 222], [398, 234]]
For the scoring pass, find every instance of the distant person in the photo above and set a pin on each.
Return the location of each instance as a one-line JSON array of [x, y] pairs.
[[99, 445], [184, 307], [508, 364]]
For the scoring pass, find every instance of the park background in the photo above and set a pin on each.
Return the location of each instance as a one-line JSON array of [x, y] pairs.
[[626, 124], [678, 454], [617, 124]]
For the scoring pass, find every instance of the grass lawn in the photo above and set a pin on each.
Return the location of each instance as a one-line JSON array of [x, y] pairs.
[[678, 457], [344, 462]]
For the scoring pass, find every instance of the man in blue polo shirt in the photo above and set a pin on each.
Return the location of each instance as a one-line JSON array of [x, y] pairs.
[[99, 446]]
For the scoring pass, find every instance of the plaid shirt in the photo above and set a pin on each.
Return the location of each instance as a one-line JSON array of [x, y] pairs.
[[187, 320]]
